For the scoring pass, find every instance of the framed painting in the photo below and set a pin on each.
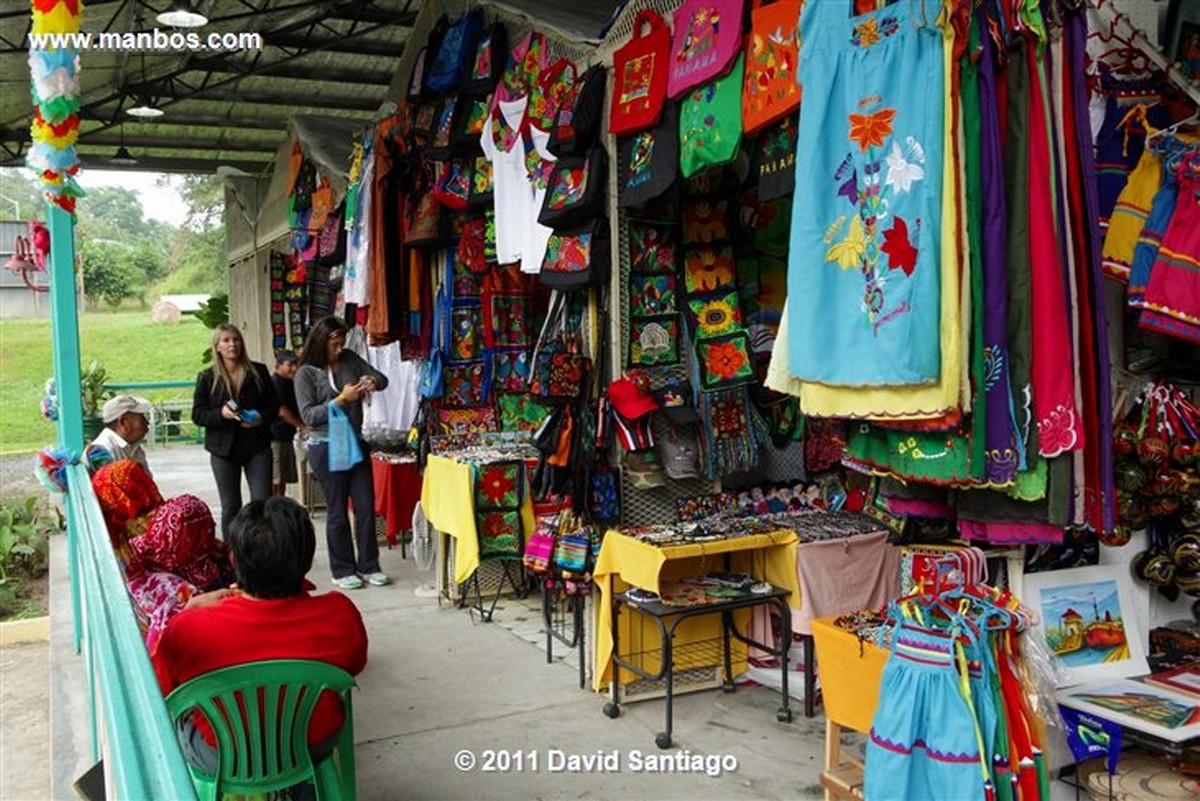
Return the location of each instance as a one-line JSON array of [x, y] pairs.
[[1138, 706], [1087, 622]]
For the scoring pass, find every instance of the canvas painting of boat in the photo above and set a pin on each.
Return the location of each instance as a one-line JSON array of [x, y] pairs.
[[1083, 625], [1086, 622]]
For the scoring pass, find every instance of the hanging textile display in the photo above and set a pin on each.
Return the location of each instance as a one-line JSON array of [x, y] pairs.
[[289, 303], [640, 76], [770, 91], [867, 313], [706, 36]]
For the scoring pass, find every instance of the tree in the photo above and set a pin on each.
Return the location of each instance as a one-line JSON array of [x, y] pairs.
[[113, 212], [198, 248], [149, 260], [23, 196], [109, 272]]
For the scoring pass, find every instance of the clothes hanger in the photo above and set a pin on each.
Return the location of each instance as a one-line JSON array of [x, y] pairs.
[[1172, 129]]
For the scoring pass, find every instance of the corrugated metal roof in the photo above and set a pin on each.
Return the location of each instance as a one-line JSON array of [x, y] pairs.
[[330, 57]]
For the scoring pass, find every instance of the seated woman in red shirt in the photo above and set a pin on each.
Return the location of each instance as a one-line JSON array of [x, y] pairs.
[[268, 615]]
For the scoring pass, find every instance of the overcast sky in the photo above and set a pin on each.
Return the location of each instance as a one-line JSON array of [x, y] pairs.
[[159, 203]]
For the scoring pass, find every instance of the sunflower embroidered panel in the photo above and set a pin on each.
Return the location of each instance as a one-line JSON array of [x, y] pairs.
[[864, 269]]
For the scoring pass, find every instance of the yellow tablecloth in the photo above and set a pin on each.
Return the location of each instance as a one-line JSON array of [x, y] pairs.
[[448, 500], [850, 674], [625, 562]]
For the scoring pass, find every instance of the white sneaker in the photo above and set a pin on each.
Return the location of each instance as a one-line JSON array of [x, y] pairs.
[[377, 579], [350, 582]]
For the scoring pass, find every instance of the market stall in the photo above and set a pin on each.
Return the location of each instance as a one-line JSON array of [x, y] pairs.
[[657, 332]]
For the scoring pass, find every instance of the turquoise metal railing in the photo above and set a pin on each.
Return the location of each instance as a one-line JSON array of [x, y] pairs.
[[130, 725]]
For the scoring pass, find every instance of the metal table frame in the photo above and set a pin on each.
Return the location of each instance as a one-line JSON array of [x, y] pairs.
[[668, 618]]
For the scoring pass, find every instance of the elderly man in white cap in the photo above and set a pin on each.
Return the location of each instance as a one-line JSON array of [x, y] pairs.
[[125, 426]]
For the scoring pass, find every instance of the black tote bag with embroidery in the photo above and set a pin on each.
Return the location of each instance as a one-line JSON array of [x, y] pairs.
[[648, 162]]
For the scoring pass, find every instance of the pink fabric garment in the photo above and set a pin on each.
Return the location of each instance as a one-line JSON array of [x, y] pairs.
[[158, 597], [1054, 402], [180, 539], [904, 507], [845, 575], [1010, 533]]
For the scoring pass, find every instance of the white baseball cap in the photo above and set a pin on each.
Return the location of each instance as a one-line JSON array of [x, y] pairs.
[[120, 405]]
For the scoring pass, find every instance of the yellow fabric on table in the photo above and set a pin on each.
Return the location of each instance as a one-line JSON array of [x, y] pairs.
[[625, 562], [448, 500], [850, 673]]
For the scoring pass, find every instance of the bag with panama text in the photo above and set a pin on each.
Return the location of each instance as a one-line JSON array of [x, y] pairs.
[[708, 34], [770, 91], [640, 76]]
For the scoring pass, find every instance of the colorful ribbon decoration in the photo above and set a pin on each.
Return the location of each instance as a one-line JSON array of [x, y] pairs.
[[54, 85]]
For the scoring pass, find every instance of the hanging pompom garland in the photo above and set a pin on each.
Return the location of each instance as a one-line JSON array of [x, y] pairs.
[[54, 83], [52, 468]]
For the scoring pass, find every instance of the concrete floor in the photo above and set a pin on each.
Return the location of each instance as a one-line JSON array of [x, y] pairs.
[[439, 683]]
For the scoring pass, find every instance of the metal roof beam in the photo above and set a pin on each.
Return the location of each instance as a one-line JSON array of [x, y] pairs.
[[172, 143], [350, 75], [174, 164], [338, 44], [298, 100]]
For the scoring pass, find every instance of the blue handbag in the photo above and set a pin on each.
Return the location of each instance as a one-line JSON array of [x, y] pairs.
[[344, 450]]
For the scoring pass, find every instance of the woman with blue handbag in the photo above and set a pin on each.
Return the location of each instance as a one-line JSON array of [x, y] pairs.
[[331, 386]]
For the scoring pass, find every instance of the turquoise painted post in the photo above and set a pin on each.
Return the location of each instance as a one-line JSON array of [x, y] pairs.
[[64, 330]]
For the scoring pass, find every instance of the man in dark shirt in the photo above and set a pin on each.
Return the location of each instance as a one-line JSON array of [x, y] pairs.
[[284, 429]]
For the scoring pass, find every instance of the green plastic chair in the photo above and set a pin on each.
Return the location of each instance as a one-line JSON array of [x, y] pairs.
[[265, 746]]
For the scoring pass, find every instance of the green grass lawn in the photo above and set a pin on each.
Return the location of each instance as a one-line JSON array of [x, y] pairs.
[[129, 346]]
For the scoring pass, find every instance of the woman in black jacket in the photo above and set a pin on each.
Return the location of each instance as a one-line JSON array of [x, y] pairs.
[[235, 402]]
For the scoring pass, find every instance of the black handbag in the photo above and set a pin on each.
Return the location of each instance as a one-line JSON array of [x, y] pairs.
[[775, 159], [578, 258], [578, 124], [648, 162], [575, 190], [487, 60]]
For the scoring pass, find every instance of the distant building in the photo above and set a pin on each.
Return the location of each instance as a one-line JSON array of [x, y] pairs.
[[187, 304], [1071, 622], [16, 299]]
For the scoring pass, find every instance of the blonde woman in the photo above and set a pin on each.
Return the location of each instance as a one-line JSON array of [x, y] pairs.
[[235, 402]]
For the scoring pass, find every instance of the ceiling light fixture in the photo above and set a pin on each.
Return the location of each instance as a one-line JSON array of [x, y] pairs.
[[145, 109], [181, 14], [123, 158]]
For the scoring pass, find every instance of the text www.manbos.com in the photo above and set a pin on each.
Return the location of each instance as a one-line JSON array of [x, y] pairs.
[[146, 40]]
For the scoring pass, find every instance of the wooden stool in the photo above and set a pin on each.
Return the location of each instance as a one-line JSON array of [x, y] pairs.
[[842, 776]]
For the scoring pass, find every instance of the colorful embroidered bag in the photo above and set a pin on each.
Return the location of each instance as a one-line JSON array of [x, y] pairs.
[[481, 192], [578, 258], [575, 191], [578, 123], [770, 90], [648, 162], [708, 34], [710, 123], [423, 221], [640, 76], [775, 159], [491, 49], [470, 118], [453, 185], [574, 549], [438, 146], [539, 550], [453, 54]]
